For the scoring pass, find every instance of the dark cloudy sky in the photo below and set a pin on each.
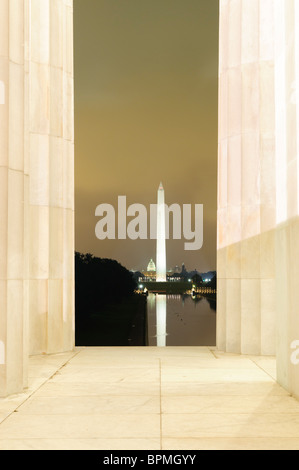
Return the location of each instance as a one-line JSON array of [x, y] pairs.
[[146, 94]]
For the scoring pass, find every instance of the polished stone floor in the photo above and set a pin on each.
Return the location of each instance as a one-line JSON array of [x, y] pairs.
[[173, 398]]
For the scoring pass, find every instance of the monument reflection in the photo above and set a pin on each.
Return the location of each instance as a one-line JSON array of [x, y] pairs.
[[161, 320], [179, 320]]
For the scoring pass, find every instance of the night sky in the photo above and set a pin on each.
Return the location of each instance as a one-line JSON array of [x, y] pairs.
[[146, 90]]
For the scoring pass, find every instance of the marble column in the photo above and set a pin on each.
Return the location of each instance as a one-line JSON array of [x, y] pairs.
[[13, 339], [246, 183], [36, 184], [50, 163], [258, 196], [287, 213]]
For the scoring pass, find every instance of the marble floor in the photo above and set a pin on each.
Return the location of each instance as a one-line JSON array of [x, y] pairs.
[[173, 398]]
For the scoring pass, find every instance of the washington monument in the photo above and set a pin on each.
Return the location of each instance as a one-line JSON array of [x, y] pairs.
[[161, 240]]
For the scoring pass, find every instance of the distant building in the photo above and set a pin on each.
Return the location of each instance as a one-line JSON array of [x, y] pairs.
[[150, 273], [174, 277], [151, 267]]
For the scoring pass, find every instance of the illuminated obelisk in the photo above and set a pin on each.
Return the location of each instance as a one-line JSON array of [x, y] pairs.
[[161, 240]]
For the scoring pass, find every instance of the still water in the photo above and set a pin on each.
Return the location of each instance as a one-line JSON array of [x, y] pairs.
[[179, 320]]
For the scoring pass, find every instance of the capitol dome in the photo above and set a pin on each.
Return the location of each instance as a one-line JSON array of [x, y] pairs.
[[151, 266]]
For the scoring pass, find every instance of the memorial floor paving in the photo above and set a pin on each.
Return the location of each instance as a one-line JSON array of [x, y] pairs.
[[149, 398]]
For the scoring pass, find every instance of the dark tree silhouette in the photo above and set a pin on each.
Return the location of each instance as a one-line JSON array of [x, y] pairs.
[[197, 280], [99, 282], [213, 282]]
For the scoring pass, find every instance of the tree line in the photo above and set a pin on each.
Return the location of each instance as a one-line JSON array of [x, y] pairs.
[[98, 282]]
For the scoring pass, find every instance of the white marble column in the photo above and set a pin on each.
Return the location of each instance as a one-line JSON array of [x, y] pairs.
[[36, 184], [246, 188], [258, 198], [51, 169], [287, 214], [13, 344]]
